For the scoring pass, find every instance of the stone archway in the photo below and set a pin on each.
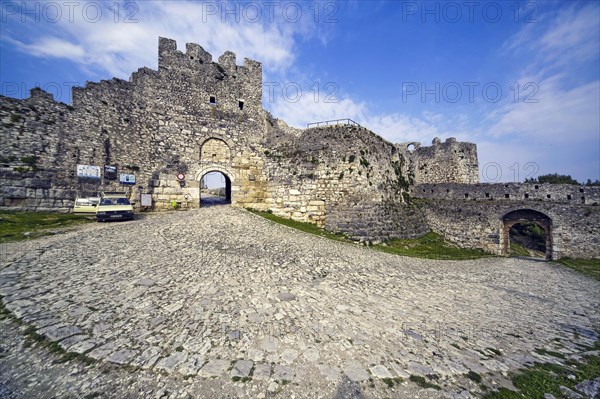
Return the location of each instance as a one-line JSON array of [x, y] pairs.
[[228, 175], [526, 215]]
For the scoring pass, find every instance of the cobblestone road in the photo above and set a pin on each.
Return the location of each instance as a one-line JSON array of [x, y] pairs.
[[187, 304]]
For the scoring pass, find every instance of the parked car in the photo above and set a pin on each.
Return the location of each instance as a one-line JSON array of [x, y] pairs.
[[114, 207], [86, 205]]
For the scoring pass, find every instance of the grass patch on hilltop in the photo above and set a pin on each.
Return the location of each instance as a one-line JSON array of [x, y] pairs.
[[589, 267], [430, 246], [544, 378], [305, 227], [15, 226], [517, 249], [423, 383]]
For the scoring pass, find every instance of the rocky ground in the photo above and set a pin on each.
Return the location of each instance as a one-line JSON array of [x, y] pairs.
[[218, 302]]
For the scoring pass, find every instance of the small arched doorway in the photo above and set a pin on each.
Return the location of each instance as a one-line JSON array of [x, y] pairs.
[[528, 222], [215, 188]]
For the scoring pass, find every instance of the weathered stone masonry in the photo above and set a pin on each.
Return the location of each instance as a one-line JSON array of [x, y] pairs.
[[195, 116], [478, 215]]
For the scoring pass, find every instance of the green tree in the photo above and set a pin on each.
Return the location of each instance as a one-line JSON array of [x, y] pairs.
[[553, 178], [592, 183]]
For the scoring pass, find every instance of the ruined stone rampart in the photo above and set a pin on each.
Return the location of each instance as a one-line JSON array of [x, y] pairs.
[[193, 116], [345, 178], [442, 162], [153, 126], [565, 193], [474, 216]]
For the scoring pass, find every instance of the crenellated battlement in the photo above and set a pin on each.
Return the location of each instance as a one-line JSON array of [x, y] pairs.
[[195, 57], [562, 193], [94, 92], [197, 114], [450, 161]]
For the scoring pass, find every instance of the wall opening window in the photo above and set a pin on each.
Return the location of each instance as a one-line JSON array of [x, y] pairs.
[[527, 232], [215, 189], [527, 239], [241, 105], [212, 100]]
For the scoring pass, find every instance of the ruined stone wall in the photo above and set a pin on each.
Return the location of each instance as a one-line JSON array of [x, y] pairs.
[[566, 193], [472, 215], [153, 125], [362, 221], [344, 178], [447, 162], [195, 116]]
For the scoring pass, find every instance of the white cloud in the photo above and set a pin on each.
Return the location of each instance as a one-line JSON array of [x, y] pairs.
[[299, 112], [52, 47], [561, 132], [561, 114], [119, 48], [395, 127], [401, 127], [573, 36], [559, 41]]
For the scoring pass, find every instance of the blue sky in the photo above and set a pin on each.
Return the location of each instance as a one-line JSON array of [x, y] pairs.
[[520, 79]]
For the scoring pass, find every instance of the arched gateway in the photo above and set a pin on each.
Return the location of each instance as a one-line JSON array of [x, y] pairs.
[[524, 216], [227, 174]]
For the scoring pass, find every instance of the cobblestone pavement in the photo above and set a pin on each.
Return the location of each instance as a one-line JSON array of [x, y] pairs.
[[219, 302]]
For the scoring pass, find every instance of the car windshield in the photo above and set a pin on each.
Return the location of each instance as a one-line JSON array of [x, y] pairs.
[[114, 201]]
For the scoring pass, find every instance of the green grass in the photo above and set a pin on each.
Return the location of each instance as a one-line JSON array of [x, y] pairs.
[[431, 245], [423, 383], [305, 227], [504, 393], [474, 376], [534, 382], [589, 267], [390, 382], [33, 338], [518, 250], [544, 352], [14, 225]]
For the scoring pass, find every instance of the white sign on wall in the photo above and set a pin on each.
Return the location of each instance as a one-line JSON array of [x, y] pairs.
[[88, 171], [146, 200], [126, 178]]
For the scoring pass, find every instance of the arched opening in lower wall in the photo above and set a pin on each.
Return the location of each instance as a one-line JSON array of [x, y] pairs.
[[215, 189], [528, 232]]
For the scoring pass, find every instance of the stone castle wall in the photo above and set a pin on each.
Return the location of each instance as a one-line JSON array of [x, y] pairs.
[[152, 125], [193, 116], [472, 215], [527, 192], [442, 162], [344, 178]]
